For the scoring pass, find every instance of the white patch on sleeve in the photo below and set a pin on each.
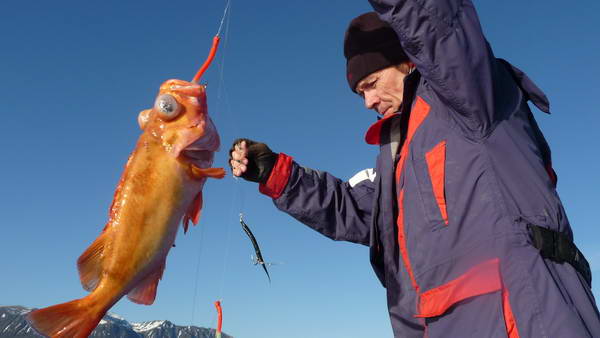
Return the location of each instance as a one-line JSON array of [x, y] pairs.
[[367, 174]]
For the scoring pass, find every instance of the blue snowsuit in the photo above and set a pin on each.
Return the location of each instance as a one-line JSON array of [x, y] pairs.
[[463, 171]]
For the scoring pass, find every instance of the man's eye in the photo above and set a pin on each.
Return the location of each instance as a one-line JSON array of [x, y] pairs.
[[370, 85], [367, 85]]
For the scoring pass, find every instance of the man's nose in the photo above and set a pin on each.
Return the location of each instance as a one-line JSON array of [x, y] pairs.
[[371, 100]]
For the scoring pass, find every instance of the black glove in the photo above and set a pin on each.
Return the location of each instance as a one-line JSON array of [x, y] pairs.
[[261, 160]]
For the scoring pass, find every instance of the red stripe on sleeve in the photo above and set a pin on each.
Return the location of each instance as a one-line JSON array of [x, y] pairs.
[[279, 177]]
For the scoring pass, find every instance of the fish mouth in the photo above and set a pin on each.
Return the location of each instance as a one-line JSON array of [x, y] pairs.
[[201, 158], [210, 140]]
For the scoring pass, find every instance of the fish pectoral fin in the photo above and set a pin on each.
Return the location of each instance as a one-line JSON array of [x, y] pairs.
[[145, 292], [199, 173], [89, 263], [193, 212]]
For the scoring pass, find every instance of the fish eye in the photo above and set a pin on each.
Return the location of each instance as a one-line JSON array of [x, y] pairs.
[[167, 107]]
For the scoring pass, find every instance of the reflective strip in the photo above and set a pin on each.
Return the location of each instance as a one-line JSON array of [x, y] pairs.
[[279, 177], [481, 279], [367, 174], [509, 318], [402, 242], [436, 163], [417, 116]]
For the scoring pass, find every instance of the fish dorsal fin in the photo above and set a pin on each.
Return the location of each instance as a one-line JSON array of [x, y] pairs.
[[145, 291], [193, 212], [89, 263]]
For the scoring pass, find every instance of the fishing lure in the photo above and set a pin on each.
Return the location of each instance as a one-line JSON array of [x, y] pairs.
[[259, 258], [219, 319]]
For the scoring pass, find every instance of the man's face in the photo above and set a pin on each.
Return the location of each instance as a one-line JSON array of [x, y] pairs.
[[383, 90]]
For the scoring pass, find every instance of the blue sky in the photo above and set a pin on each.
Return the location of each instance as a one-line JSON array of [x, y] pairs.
[[76, 74]]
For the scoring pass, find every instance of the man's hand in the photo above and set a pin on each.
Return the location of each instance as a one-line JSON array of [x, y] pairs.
[[238, 157], [251, 160]]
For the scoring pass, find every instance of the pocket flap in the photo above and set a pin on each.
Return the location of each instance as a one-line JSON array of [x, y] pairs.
[[481, 279]]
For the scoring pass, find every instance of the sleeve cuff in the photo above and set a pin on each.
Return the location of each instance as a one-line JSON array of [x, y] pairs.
[[279, 177]]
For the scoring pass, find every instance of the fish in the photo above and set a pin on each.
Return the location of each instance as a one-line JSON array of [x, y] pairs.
[[160, 188]]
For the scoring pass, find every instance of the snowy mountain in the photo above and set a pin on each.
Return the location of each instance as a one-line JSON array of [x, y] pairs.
[[13, 324]]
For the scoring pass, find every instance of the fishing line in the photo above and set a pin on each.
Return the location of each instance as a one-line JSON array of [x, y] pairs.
[[197, 273], [223, 18], [213, 48], [239, 192], [212, 53], [238, 195], [221, 90]]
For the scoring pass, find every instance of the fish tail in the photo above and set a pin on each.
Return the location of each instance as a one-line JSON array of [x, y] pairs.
[[75, 319]]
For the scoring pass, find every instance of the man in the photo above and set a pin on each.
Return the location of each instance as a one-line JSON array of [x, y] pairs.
[[465, 228]]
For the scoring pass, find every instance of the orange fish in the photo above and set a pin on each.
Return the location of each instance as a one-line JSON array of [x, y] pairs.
[[160, 187]]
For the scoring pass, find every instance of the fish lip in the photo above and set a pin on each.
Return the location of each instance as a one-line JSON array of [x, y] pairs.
[[201, 158], [212, 146], [202, 143]]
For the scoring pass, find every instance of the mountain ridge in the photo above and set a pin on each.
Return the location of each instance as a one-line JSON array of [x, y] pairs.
[[13, 324]]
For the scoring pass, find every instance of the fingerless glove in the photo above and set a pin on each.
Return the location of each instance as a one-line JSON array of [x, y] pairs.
[[261, 160]]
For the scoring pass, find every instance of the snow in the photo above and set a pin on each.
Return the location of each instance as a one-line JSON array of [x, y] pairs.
[[17, 310], [113, 315], [146, 326], [116, 319]]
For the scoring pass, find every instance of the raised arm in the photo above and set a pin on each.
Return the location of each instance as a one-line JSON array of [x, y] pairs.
[[445, 41]]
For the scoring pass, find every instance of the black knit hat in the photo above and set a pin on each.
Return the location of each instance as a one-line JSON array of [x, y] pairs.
[[370, 45]]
